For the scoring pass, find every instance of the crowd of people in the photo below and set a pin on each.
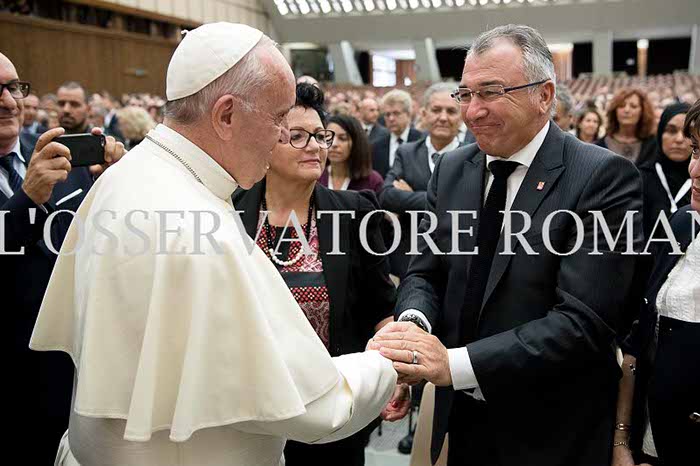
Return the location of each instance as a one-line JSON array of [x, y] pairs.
[[538, 356]]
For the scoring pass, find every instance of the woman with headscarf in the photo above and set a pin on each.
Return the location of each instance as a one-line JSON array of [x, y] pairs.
[[665, 178]]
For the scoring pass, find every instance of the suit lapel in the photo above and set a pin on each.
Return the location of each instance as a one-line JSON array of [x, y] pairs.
[[472, 188], [421, 161], [336, 267], [542, 175]]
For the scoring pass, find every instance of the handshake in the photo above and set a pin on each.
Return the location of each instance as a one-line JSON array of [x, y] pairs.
[[416, 355]]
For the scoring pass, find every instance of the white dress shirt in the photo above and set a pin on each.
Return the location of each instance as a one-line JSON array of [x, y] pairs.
[[394, 144], [432, 150], [18, 164], [463, 377]]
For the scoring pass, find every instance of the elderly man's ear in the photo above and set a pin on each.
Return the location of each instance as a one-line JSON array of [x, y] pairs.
[[224, 117], [546, 96]]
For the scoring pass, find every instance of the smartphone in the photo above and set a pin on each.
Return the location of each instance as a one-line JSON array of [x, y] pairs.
[[85, 149]]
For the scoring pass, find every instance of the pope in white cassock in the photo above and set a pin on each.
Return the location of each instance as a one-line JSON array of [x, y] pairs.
[[188, 348]]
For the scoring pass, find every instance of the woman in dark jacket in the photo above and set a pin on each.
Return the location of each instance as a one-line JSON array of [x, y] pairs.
[[665, 178], [350, 158], [343, 289], [630, 128], [658, 410]]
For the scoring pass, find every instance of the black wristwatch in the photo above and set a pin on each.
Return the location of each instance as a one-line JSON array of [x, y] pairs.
[[410, 317]]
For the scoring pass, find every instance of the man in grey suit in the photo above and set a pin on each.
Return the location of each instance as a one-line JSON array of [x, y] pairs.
[[406, 184], [530, 376]]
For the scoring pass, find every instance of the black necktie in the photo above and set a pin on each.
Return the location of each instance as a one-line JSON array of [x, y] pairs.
[[399, 141], [490, 222], [13, 177], [435, 157]]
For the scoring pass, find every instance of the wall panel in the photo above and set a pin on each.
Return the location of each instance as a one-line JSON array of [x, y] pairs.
[[48, 53]]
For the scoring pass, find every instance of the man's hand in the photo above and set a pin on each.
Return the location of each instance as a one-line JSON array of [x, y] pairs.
[[399, 340], [113, 152], [403, 186], [399, 405], [50, 164]]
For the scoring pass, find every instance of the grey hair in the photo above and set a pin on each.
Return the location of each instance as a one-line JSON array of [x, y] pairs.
[[564, 98], [538, 63], [436, 89], [398, 96], [243, 80]]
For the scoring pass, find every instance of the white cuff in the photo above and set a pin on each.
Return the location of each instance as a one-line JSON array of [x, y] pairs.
[[461, 369], [418, 314]]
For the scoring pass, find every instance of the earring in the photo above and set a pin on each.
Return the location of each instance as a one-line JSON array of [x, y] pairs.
[[267, 166]]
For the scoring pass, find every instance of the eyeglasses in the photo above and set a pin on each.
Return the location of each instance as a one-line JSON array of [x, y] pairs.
[[300, 138], [464, 95], [17, 89]]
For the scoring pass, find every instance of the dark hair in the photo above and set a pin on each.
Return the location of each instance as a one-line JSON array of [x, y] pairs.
[[645, 125], [692, 121], [310, 96], [583, 114], [73, 85], [360, 159]]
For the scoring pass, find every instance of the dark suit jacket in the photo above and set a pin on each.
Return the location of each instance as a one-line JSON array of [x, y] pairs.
[[378, 132], [642, 344], [381, 147], [543, 356], [410, 165], [359, 289], [42, 382], [114, 130]]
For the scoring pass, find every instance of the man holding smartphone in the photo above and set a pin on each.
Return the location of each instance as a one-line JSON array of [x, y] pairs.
[[36, 179]]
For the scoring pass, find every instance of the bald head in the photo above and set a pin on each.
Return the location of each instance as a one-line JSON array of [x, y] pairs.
[[369, 111], [11, 109]]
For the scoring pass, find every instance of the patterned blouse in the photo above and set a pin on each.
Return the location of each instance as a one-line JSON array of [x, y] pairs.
[[305, 278]]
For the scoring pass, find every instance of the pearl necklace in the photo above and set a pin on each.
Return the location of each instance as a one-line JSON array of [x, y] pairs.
[[271, 242]]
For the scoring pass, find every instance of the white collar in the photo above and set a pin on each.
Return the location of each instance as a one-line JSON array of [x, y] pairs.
[[17, 150], [404, 135], [213, 176], [527, 154], [432, 150]]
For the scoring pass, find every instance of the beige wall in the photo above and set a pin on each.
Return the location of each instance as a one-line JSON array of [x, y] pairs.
[[249, 12]]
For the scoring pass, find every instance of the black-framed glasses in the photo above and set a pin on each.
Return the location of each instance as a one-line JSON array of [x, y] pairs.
[[489, 93], [17, 89], [300, 138]]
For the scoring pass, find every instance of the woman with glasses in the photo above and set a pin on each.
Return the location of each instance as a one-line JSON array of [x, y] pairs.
[[630, 127], [346, 297], [350, 158]]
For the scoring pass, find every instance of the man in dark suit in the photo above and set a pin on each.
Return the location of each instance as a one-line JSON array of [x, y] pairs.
[[31, 125], [369, 113], [531, 374], [397, 106], [406, 183], [36, 180]]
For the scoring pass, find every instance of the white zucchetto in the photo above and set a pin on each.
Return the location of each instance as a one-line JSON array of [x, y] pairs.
[[206, 53]]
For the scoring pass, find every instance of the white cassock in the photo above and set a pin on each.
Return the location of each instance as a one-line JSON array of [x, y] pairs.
[[200, 356]]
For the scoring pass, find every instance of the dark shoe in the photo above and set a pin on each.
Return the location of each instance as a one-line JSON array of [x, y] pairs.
[[406, 444]]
